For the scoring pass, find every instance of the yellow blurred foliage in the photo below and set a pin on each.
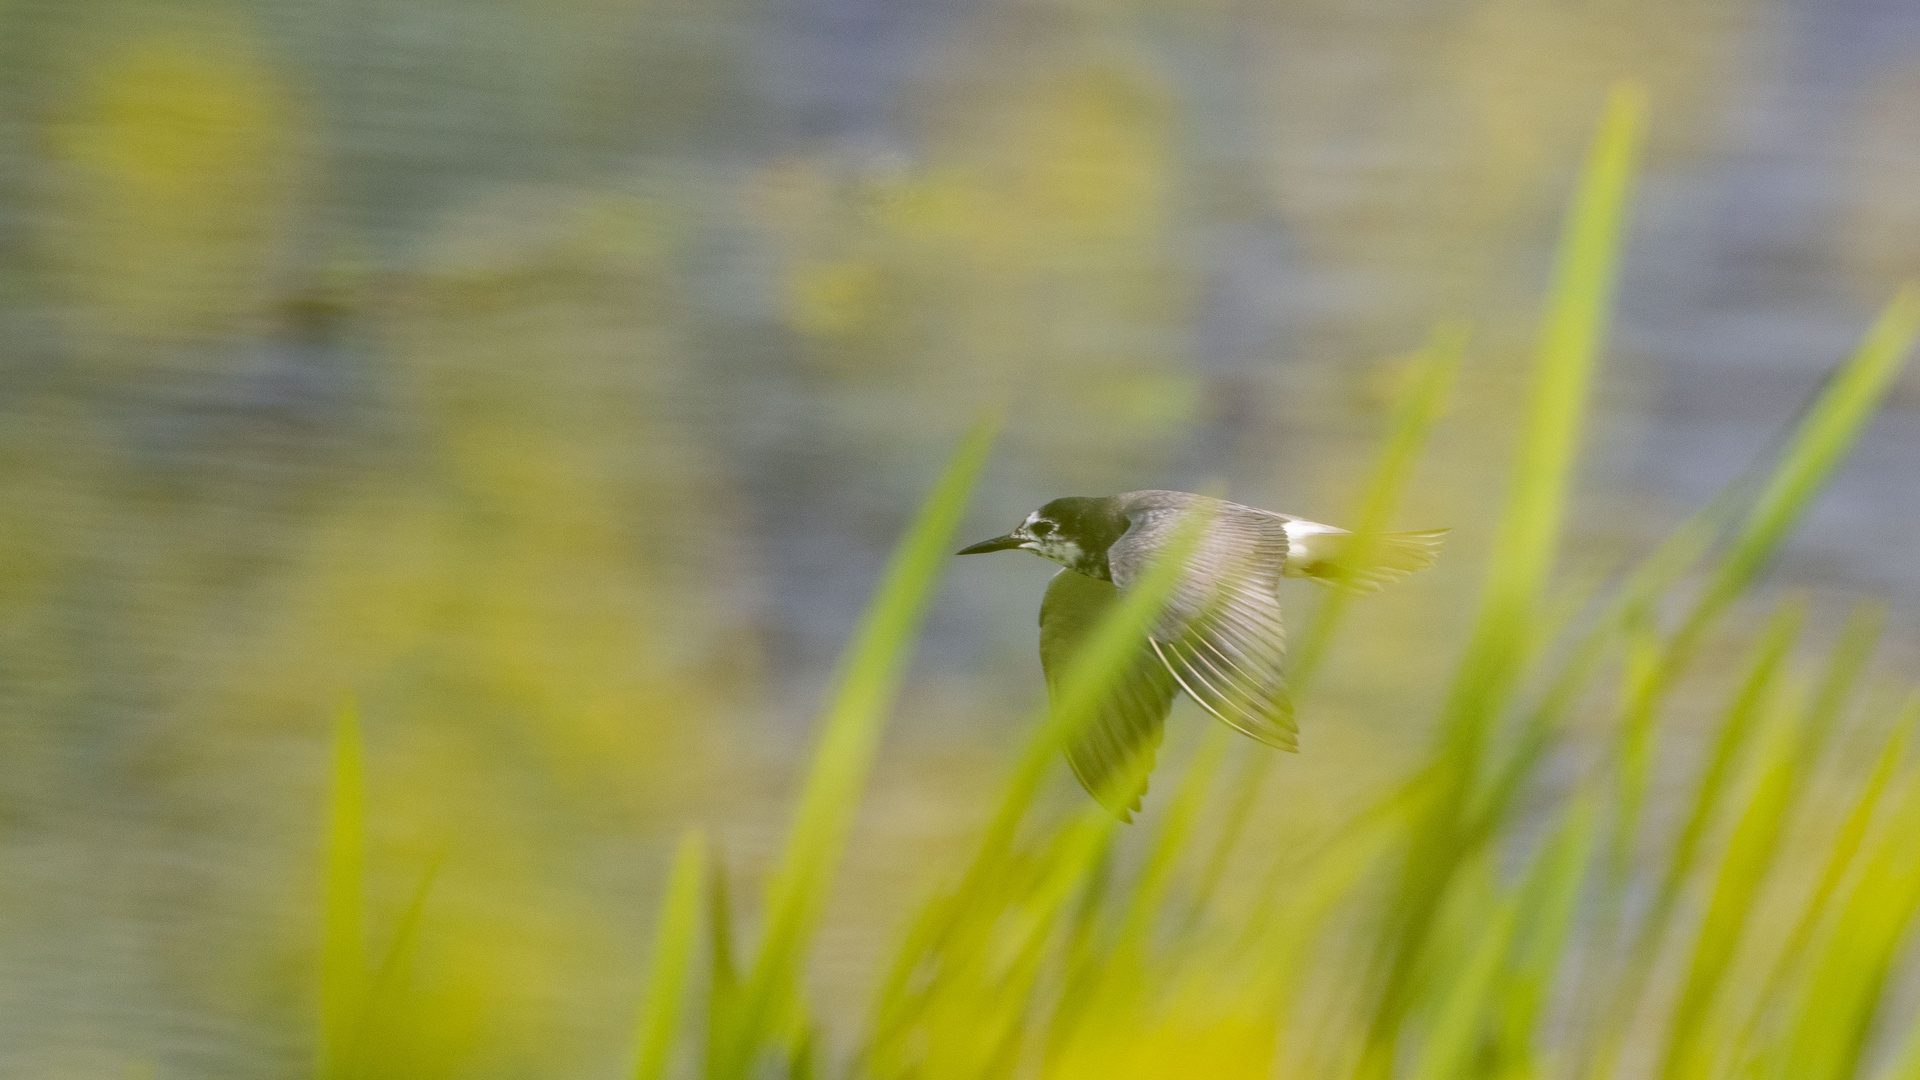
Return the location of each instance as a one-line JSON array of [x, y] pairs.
[[1024, 257], [180, 149], [832, 299]]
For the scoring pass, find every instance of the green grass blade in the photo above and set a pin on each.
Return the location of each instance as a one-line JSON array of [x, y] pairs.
[[384, 992], [1841, 850], [1748, 859], [974, 985], [1527, 542], [1175, 834], [996, 870], [1752, 700], [1749, 706], [1629, 606], [894, 1002], [1832, 423], [1756, 838], [1845, 987], [1520, 944], [1113, 971], [1541, 946], [1572, 336], [1637, 715], [1844, 669], [870, 677], [1819, 445], [1464, 999], [386, 979], [1655, 578], [344, 982], [723, 987], [1429, 378], [674, 940]]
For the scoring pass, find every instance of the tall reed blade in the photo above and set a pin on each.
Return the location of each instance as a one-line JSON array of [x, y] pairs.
[[1844, 990], [1747, 709], [674, 943], [1430, 377], [1748, 859], [1821, 443], [1841, 849], [998, 877], [344, 977], [1572, 336], [869, 677], [1525, 548]]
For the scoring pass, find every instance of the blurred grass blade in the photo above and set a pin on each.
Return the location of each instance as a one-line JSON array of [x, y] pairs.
[[674, 942], [1840, 853], [1749, 857], [1646, 662], [405, 935], [723, 988], [1112, 969], [1629, 606], [1833, 421], [1748, 707], [1572, 336], [1832, 424], [1430, 376], [1541, 946], [869, 677], [1528, 538], [1844, 668], [1844, 989], [969, 989], [1821, 443], [1652, 580], [343, 955], [385, 991], [1756, 838], [1463, 1001], [1637, 714], [996, 871]]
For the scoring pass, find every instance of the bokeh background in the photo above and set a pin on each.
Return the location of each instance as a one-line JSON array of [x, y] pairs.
[[553, 378]]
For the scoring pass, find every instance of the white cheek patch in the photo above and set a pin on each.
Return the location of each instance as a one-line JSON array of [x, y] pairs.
[[1064, 552]]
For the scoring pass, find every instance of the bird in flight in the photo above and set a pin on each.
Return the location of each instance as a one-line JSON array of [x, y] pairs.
[[1218, 639]]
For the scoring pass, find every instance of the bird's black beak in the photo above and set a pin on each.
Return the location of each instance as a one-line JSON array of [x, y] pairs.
[[998, 543]]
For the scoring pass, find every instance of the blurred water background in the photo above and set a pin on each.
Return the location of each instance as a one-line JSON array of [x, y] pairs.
[[554, 377]]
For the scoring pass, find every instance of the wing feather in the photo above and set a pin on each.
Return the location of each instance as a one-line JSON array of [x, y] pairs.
[[1221, 638], [1113, 753]]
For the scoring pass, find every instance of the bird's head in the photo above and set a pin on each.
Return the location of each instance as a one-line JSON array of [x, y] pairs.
[[1074, 532]]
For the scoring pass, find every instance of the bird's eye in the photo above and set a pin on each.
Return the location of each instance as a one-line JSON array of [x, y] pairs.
[[1041, 528]]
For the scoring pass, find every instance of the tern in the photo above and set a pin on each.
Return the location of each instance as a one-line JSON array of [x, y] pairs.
[[1219, 639]]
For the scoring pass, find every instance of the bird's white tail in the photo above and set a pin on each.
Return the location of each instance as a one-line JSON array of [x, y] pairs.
[[1390, 557]]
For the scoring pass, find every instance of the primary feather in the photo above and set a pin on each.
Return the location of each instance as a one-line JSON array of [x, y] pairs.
[[1112, 755], [1221, 636]]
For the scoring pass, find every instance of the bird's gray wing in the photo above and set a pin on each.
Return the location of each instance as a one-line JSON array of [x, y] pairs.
[[1221, 637], [1113, 752]]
